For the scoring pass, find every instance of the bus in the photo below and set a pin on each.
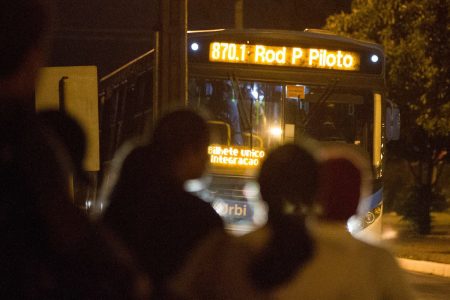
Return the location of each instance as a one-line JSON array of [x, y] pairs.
[[261, 88]]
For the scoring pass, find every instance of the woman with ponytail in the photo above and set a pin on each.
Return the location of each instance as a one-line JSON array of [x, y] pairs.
[[293, 256], [288, 182], [257, 265]]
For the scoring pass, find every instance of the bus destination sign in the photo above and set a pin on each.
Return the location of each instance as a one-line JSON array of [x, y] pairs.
[[284, 56]]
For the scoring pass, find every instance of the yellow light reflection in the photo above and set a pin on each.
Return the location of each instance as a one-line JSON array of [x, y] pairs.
[[276, 131], [377, 132], [235, 156], [284, 56]]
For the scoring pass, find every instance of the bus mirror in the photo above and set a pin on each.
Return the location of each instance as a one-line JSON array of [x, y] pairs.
[[392, 122]]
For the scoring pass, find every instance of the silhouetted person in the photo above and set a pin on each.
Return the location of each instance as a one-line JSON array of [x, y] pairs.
[[345, 181], [24, 26], [48, 248], [340, 190], [150, 210], [71, 135], [288, 182], [360, 271], [256, 265], [287, 259]]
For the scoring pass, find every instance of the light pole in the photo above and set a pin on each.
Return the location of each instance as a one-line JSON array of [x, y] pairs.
[[239, 14], [172, 55]]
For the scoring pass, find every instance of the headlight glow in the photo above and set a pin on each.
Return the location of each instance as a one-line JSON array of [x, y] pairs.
[[374, 58], [195, 46]]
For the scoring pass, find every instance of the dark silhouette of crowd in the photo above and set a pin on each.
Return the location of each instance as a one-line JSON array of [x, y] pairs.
[[154, 240], [149, 208]]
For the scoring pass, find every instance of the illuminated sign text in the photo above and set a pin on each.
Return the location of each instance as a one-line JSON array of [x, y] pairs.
[[233, 209], [235, 156], [284, 56]]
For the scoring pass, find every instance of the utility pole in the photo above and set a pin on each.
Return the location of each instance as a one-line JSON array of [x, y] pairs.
[[172, 55], [239, 14]]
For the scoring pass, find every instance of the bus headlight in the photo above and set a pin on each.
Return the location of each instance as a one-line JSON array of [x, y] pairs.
[[195, 46], [374, 58]]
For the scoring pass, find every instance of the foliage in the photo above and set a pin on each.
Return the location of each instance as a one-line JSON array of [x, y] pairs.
[[396, 188], [414, 34], [399, 190]]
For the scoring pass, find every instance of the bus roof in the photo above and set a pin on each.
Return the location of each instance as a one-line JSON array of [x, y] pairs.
[[309, 36]]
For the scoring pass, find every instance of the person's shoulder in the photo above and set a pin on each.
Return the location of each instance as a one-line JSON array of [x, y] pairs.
[[198, 202], [13, 115], [200, 207], [257, 239], [388, 277]]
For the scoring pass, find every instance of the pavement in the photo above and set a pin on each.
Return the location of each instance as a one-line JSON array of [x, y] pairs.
[[426, 267], [428, 254]]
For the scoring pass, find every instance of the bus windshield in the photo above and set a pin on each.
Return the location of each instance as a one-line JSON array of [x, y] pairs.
[[330, 115], [248, 118], [261, 115], [244, 113]]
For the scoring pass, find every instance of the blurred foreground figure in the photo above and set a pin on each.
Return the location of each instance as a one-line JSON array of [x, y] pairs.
[[290, 258], [348, 268], [149, 208], [288, 183], [71, 135], [263, 263], [48, 250], [24, 26]]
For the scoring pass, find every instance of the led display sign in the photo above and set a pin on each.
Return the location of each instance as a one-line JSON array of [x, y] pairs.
[[284, 56], [233, 156]]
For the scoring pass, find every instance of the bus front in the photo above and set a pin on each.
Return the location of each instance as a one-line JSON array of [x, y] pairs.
[[265, 88]]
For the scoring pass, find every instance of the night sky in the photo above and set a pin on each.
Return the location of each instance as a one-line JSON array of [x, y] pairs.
[[109, 33]]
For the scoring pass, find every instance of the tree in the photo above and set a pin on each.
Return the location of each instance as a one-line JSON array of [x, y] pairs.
[[414, 34]]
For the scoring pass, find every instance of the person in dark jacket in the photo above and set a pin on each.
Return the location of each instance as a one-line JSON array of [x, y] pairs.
[[48, 249], [150, 210]]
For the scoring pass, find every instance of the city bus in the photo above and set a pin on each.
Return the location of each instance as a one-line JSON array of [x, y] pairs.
[[261, 88]]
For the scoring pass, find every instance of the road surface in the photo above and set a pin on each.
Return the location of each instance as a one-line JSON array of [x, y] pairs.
[[429, 287]]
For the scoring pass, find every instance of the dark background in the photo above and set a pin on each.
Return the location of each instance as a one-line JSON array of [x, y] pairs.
[[109, 33]]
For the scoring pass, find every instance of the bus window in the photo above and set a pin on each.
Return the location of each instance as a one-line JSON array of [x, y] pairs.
[[220, 132], [245, 118]]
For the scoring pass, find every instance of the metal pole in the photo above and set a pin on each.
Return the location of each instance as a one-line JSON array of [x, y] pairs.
[[172, 55], [238, 14], [62, 94]]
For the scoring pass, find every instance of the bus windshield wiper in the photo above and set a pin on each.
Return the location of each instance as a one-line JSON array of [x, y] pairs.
[[322, 100], [246, 121]]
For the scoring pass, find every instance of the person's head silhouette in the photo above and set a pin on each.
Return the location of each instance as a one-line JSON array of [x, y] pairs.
[[288, 179], [180, 142], [288, 182], [24, 25], [345, 178], [339, 189]]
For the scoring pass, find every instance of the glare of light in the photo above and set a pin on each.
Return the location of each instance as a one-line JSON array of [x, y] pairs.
[[276, 131], [374, 58], [194, 185], [389, 234], [220, 207], [259, 213], [354, 224], [195, 46], [254, 93], [251, 190]]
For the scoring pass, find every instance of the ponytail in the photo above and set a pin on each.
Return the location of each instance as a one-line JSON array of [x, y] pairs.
[[288, 250], [289, 173]]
